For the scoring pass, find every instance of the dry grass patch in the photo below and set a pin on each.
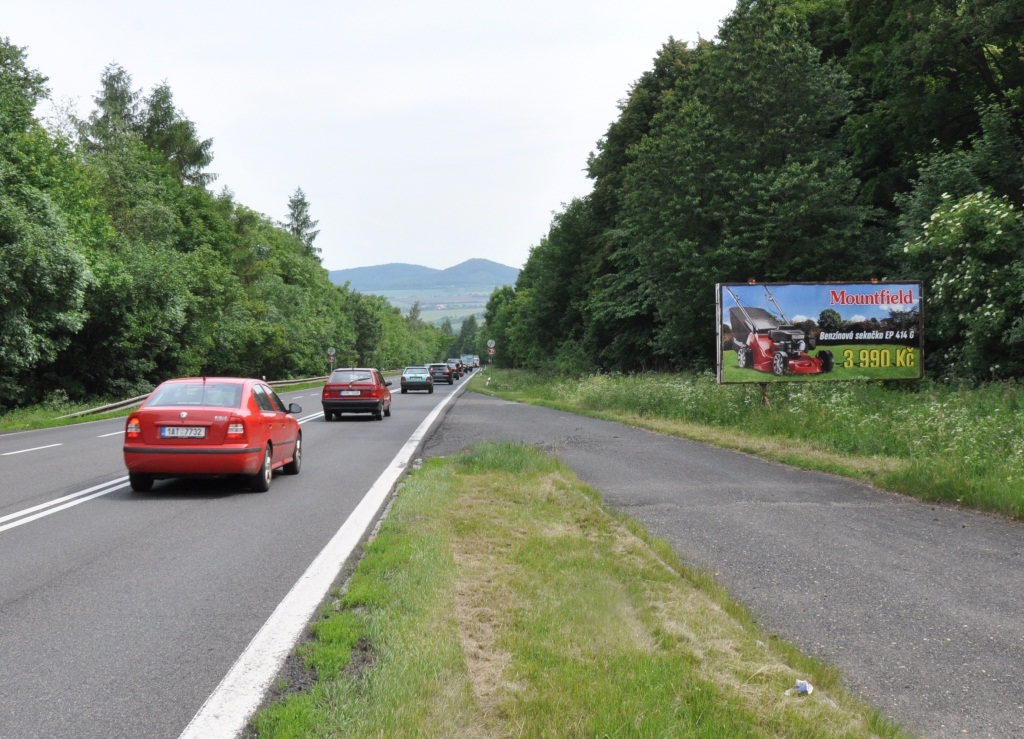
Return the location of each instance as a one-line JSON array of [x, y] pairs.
[[501, 599], [550, 584]]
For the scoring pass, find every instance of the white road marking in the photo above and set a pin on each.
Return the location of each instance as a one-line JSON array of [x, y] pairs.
[[33, 449], [53, 506], [82, 496], [226, 711], [116, 433]]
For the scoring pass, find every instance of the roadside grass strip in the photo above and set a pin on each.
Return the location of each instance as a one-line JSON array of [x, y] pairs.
[[500, 598]]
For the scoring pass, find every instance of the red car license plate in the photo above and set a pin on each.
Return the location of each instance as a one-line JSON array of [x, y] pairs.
[[182, 432], [349, 392]]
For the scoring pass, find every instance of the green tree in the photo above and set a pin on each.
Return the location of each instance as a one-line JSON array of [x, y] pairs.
[[830, 320], [923, 66], [414, 318], [499, 317], [44, 225], [556, 283], [743, 178], [992, 160], [300, 224], [117, 112], [165, 129], [465, 343], [21, 89], [618, 318]]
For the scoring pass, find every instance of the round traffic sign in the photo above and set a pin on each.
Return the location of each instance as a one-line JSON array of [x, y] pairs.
[[490, 343], [331, 352]]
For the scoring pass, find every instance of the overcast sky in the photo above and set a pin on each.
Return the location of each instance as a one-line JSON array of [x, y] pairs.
[[425, 133]]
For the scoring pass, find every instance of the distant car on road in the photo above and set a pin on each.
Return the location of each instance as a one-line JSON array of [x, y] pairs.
[[416, 378], [211, 426], [356, 390], [456, 367], [441, 372]]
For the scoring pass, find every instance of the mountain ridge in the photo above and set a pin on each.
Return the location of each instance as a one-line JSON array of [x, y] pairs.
[[403, 276]]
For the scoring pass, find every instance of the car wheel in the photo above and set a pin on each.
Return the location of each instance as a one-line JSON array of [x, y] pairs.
[[379, 413], [403, 391], [140, 483], [827, 360], [780, 363], [430, 391], [387, 411], [293, 467], [260, 482], [451, 381]]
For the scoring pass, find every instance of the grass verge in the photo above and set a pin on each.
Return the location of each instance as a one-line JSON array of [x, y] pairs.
[[934, 441], [49, 415], [500, 598], [52, 412]]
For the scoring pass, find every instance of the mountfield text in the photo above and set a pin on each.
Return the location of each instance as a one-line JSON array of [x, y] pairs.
[[879, 297]]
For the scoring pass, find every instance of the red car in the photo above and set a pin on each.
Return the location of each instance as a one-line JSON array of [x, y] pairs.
[[212, 426], [356, 390]]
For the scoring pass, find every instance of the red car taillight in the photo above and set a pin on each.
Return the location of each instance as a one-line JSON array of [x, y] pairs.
[[236, 429], [133, 429], [403, 378]]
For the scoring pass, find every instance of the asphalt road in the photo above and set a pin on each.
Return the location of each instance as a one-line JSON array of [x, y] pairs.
[[919, 605], [121, 612]]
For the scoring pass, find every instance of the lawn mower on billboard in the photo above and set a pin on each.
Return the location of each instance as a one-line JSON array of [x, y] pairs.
[[768, 342]]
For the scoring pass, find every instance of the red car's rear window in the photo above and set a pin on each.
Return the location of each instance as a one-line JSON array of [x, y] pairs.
[[217, 394], [347, 376]]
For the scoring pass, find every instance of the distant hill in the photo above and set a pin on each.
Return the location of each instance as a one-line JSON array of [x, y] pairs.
[[396, 276]]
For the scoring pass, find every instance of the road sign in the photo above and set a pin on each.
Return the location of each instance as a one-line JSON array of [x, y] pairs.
[[490, 344], [331, 352], [490, 350]]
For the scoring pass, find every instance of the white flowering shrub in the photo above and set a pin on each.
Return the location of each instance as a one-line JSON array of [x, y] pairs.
[[970, 255]]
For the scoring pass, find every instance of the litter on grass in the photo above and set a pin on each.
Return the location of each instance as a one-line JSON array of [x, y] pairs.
[[802, 687]]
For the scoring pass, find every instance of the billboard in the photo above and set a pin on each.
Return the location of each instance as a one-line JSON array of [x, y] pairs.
[[820, 331]]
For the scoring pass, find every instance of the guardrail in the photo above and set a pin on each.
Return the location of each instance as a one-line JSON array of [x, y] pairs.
[[137, 400]]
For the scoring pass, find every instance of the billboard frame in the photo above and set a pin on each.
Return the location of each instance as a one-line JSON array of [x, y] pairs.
[[840, 331]]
